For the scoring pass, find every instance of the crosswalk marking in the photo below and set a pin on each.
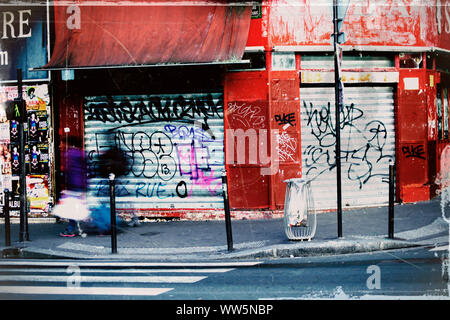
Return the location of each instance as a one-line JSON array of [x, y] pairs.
[[130, 264], [138, 271], [107, 291], [118, 279], [103, 278]]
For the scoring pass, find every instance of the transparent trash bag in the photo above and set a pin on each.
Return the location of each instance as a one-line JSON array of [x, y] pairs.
[[299, 213]]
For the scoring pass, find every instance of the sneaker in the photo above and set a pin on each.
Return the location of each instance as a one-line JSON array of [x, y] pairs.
[[67, 234]]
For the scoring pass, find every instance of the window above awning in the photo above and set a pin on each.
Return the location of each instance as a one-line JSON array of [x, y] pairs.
[[151, 32]]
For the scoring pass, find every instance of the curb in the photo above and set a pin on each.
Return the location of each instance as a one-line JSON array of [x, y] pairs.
[[302, 249], [338, 247]]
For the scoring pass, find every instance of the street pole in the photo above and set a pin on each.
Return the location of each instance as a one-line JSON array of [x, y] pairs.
[[112, 203], [7, 219], [227, 211], [23, 235], [338, 103], [391, 201]]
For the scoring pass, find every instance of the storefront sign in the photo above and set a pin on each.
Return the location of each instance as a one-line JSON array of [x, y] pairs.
[[23, 42]]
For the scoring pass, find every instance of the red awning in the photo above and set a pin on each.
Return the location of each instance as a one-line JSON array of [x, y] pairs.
[[149, 32]]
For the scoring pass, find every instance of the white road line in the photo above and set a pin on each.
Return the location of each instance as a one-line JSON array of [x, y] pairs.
[[441, 248], [129, 264], [107, 291], [118, 279], [147, 271]]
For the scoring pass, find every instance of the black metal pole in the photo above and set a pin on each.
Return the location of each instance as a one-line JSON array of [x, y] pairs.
[[23, 235], [7, 221], [337, 98], [112, 202], [391, 201], [227, 211]]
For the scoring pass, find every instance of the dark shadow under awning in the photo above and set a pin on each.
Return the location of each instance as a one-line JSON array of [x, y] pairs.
[[148, 33]]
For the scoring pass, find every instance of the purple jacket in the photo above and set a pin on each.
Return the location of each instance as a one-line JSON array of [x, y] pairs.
[[75, 169]]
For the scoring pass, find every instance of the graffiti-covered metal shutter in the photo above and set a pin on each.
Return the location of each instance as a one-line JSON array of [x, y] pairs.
[[367, 144], [174, 144]]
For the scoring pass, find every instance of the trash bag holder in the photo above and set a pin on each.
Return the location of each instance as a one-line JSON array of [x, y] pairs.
[[300, 221]]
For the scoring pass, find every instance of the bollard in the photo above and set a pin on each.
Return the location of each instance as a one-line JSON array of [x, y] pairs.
[[227, 211], [7, 220], [112, 202], [391, 202]]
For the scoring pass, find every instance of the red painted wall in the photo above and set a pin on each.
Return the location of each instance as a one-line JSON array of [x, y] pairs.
[[284, 105], [416, 135], [368, 22], [257, 35], [246, 107], [267, 100]]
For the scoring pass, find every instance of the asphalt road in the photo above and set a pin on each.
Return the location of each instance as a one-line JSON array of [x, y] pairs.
[[400, 274]]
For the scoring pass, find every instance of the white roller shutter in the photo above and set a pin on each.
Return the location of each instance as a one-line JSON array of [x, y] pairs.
[[174, 144], [367, 144]]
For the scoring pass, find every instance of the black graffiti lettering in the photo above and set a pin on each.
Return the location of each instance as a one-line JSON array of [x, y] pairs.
[[155, 110], [284, 118], [164, 169], [360, 159], [160, 143], [183, 193], [414, 151], [145, 154], [154, 158]]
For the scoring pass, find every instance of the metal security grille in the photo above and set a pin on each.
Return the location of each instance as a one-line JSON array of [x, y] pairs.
[[367, 144], [174, 144]]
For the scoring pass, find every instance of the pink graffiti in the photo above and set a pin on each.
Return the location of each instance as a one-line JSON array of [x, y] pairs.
[[193, 163]]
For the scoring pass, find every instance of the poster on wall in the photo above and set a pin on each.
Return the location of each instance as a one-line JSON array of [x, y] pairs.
[[38, 194], [36, 158], [36, 150], [5, 157], [14, 133], [15, 160], [37, 126]]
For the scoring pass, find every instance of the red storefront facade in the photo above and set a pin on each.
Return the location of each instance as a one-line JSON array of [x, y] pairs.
[[396, 50], [413, 41]]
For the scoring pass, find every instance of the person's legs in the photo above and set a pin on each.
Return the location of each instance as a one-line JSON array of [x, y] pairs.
[[72, 226], [71, 229]]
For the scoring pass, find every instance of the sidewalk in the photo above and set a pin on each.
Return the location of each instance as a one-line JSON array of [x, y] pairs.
[[364, 230]]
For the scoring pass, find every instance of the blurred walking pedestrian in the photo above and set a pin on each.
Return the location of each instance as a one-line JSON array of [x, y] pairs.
[[72, 204]]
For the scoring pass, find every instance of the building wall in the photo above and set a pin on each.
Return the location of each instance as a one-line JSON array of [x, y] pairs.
[[267, 99], [369, 25]]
